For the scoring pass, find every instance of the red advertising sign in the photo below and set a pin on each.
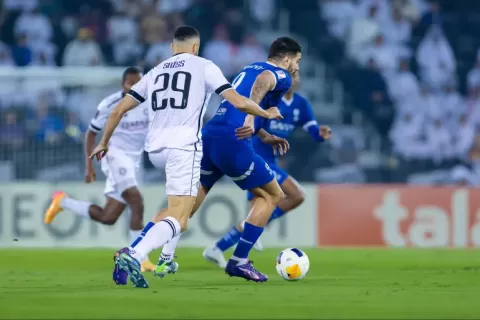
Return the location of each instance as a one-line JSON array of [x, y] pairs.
[[398, 216]]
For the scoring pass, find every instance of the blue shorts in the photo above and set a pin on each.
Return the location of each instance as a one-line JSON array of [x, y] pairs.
[[280, 174], [235, 159]]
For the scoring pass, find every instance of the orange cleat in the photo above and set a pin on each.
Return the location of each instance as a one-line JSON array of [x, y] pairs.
[[147, 266], [55, 207]]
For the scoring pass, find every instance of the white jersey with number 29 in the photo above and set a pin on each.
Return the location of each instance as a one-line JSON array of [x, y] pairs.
[[176, 93]]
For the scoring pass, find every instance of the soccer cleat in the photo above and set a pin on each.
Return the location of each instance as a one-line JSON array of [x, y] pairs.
[[120, 277], [258, 245], [125, 262], [163, 268], [147, 266], [245, 271], [55, 207], [215, 256]]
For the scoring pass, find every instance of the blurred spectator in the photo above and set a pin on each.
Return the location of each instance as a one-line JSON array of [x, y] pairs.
[[83, 51], [384, 55], [404, 88], [74, 128], [5, 55], [397, 30], [250, 51], [373, 96], [123, 37], [430, 104], [473, 78], [50, 127], [410, 9], [439, 141], [463, 176], [463, 136], [36, 26], [12, 133], [432, 16], [452, 102], [44, 54], [172, 6], [339, 14], [382, 8], [436, 60], [153, 28], [22, 53], [262, 11], [222, 51], [157, 53], [20, 5], [362, 32], [121, 28], [407, 135]]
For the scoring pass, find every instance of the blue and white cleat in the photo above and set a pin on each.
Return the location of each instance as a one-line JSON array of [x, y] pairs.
[[126, 263], [120, 277], [163, 268], [245, 271]]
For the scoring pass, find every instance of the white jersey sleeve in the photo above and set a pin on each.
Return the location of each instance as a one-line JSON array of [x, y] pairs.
[[139, 91], [215, 80], [104, 109]]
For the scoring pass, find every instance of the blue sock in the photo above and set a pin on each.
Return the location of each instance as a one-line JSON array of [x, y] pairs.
[[144, 232], [249, 236], [277, 213], [229, 239]]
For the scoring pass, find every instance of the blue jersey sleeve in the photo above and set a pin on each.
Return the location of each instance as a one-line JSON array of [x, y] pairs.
[[283, 82], [308, 122]]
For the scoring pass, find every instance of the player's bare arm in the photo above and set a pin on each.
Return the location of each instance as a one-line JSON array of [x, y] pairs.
[[90, 137], [264, 83], [280, 145], [127, 104]]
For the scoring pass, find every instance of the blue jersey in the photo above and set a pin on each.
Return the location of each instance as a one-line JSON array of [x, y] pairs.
[[228, 118], [296, 113]]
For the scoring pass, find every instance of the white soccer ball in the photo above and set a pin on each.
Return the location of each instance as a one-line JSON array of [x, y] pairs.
[[292, 264]]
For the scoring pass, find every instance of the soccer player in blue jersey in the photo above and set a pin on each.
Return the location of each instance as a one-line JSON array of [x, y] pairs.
[[225, 152], [297, 113]]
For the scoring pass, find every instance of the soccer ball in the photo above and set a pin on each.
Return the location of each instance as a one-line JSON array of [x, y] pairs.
[[292, 264]]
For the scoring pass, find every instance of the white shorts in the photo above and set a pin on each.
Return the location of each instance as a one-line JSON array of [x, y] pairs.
[[120, 168], [182, 170]]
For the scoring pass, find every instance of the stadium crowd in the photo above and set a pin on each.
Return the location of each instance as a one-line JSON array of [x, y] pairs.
[[411, 68], [406, 67]]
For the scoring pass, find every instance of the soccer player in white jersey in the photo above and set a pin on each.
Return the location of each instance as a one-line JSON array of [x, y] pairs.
[[120, 166], [176, 93]]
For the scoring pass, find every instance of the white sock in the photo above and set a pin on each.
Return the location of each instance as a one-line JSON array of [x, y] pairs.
[[134, 234], [79, 207], [168, 250], [156, 237]]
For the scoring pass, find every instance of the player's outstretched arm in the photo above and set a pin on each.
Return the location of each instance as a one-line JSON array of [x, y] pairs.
[[125, 105], [263, 84], [280, 145]]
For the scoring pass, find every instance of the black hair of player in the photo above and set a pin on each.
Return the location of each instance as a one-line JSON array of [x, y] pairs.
[[131, 70], [282, 47], [185, 32]]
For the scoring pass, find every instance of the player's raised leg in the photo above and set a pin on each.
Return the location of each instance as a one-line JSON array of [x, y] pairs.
[[183, 174]]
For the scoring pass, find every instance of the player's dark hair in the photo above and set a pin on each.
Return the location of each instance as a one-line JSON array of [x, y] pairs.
[[282, 47], [131, 70], [185, 32]]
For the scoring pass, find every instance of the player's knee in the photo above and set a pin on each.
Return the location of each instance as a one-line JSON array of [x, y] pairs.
[[277, 196]]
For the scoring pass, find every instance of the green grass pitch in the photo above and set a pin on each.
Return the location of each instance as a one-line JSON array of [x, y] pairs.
[[348, 284]]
